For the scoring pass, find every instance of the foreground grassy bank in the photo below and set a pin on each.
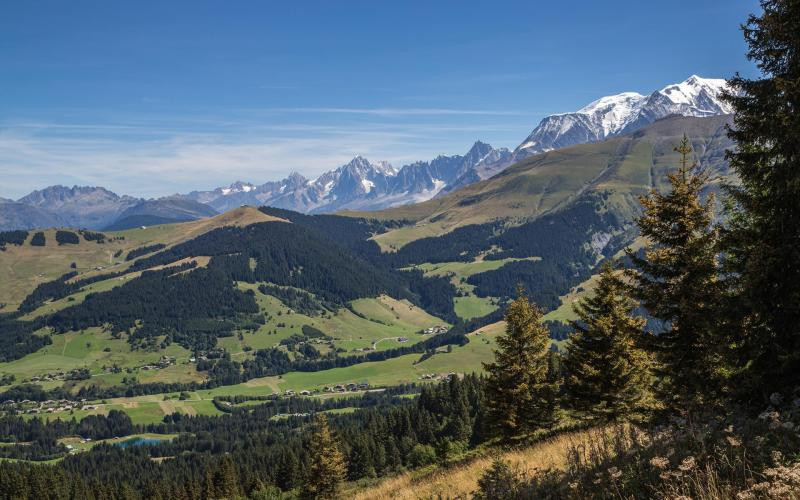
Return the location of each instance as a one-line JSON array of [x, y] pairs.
[[461, 480], [719, 458]]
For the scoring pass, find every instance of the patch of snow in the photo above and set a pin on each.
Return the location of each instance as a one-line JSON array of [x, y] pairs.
[[367, 185]]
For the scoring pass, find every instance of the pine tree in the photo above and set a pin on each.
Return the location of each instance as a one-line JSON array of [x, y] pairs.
[[676, 281], [288, 467], [360, 463], [519, 396], [607, 371], [209, 491], [327, 470], [226, 482], [763, 241]]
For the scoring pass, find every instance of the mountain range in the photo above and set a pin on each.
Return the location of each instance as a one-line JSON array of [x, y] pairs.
[[358, 185], [94, 208], [363, 185]]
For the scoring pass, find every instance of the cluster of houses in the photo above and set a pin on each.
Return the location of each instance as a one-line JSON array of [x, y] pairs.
[[48, 406], [164, 362], [215, 353], [435, 330], [290, 393], [346, 387], [363, 386], [287, 415], [437, 376], [49, 377]]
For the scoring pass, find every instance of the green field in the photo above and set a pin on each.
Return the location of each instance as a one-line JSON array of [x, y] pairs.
[[93, 349], [473, 307], [466, 269], [403, 369], [469, 305], [152, 408], [379, 323], [374, 322]]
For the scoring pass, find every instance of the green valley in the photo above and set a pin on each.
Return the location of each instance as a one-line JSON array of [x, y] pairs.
[[322, 302]]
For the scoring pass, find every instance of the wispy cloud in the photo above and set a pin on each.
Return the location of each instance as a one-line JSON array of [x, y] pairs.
[[400, 111], [158, 156]]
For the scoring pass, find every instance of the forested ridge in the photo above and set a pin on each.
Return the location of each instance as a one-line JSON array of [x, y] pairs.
[[328, 260]]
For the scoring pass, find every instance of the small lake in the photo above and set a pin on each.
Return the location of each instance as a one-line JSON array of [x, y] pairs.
[[138, 441]]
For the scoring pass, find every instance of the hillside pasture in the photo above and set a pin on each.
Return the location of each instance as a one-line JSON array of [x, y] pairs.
[[24, 267], [94, 348], [369, 321]]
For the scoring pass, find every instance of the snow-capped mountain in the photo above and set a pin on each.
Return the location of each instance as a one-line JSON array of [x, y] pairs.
[[243, 193], [358, 185], [357, 179], [624, 113], [489, 164]]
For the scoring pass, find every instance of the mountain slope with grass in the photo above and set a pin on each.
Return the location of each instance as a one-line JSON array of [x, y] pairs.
[[249, 279], [253, 293], [625, 166]]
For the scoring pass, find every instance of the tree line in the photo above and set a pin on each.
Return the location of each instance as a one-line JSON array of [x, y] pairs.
[[12, 238]]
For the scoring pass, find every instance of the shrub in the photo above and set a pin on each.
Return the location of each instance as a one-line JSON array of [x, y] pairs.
[[421, 455], [499, 482]]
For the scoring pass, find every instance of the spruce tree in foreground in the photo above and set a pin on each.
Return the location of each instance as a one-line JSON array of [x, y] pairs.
[[607, 371], [327, 470], [764, 239], [676, 281], [519, 396], [500, 481]]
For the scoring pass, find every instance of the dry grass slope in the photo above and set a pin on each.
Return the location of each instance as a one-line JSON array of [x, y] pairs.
[[461, 480], [24, 267]]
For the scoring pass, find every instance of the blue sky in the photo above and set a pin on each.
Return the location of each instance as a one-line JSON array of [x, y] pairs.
[[152, 98]]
